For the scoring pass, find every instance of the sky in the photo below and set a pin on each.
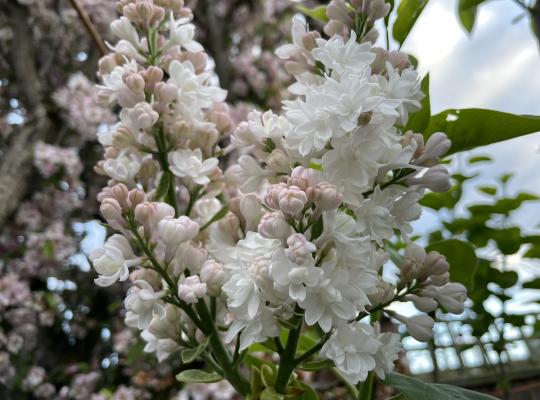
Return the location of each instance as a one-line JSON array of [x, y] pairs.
[[495, 67]]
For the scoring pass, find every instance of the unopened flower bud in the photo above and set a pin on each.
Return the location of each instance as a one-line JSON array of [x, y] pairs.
[[424, 304], [177, 230], [120, 193], [213, 274], [144, 213], [108, 62], [437, 146], [190, 257], [327, 197], [303, 178], [135, 197], [134, 81], [440, 280], [191, 289], [230, 224], [251, 210], [112, 212], [452, 297], [435, 263], [378, 9], [420, 327], [309, 40], [300, 249], [165, 92], [272, 195], [275, 226], [385, 293], [435, 178], [278, 161], [145, 115], [292, 200]]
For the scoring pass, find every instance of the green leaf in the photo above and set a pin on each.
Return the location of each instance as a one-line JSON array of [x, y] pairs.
[[418, 122], [189, 355], [473, 127], [317, 365], [163, 187], [477, 159], [198, 376], [505, 206], [415, 389], [534, 284], [505, 279], [270, 394], [267, 376], [317, 13], [467, 13], [533, 252], [461, 257], [491, 190], [256, 383], [508, 240], [308, 394], [408, 12]]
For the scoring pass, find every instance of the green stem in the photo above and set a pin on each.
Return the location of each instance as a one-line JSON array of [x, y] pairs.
[[365, 390], [161, 143], [220, 352], [312, 351], [287, 360]]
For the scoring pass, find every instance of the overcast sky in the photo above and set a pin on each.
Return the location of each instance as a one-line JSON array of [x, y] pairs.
[[496, 67]]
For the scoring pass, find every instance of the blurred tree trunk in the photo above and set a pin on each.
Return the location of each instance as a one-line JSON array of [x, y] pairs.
[[16, 161]]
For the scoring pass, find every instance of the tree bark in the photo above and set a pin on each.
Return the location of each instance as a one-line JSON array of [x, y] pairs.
[[16, 162]]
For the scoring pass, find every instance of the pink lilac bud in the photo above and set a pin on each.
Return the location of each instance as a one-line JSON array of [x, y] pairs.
[[152, 75], [274, 226], [213, 274], [279, 162], [135, 197], [435, 178], [399, 60], [303, 178], [144, 214], [109, 62], [177, 230], [120, 193], [272, 195], [300, 248], [251, 210], [193, 257], [230, 224], [440, 280], [191, 289], [435, 263], [199, 60], [219, 114], [292, 200], [309, 40], [424, 304], [145, 115], [378, 9], [327, 197], [165, 92], [112, 212], [420, 327], [385, 293], [437, 146], [452, 297], [411, 266]]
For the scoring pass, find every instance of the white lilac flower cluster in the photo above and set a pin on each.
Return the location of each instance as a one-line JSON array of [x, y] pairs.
[[294, 233]]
